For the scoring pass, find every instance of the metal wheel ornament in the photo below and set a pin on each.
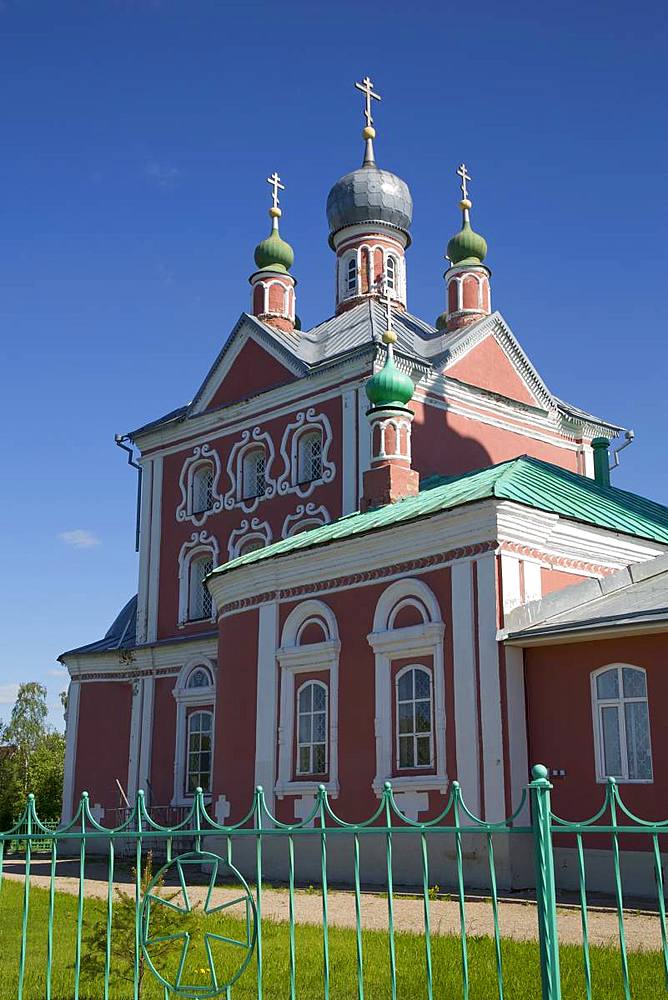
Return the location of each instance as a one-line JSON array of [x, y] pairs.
[[180, 916]]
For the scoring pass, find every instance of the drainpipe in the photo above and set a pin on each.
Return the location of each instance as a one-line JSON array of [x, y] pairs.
[[629, 437], [120, 440], [600, 447]]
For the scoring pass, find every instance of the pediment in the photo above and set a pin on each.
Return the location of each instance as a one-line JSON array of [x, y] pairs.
[[252, 361], [491, 358]]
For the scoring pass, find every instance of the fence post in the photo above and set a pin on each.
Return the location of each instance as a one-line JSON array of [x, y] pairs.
[[546, 896]]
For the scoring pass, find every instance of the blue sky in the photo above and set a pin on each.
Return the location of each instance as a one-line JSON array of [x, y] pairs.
[[136, 138]]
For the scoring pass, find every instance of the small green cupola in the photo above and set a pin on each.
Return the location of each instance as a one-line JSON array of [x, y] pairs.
[[389, 386], [467, 278], [273, 287]]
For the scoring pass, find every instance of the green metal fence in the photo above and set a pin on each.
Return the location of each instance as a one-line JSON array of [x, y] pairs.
[[198, 925]]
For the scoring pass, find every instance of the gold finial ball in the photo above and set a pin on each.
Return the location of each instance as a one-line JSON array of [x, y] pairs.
[[369, 132], [275, 213], [465, 203], [389, 337]]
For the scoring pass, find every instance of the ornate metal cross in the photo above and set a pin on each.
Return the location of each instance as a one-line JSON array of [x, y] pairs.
[[276, 185], [465, 176], [366, 86]]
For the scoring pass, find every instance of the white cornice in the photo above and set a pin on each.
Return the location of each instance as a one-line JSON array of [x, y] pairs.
[[145, 659]]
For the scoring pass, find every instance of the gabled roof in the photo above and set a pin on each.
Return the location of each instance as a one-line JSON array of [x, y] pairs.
[[634, 598], [360, 329], [122, 633], [523, 480]]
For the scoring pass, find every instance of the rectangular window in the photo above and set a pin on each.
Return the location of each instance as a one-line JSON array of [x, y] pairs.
[[312, 728], [200, 737], [622, 723]]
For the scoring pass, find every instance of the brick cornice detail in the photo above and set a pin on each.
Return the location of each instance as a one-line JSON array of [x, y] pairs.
[[411, 566], [595, 569]]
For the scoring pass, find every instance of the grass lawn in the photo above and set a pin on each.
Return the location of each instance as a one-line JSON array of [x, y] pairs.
[[520, 961]]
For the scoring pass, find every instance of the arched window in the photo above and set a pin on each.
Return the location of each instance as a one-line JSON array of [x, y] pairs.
[[199, 678], [391, 273], [621, 723], [250, 545], [414, 718], [199, 599], [312, 728], [351, 275], [253, 474], [198, 760], [201, 488], [309, 456]]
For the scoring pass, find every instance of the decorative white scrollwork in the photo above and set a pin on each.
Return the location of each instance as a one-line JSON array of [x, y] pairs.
[[199, 482], [306, 515], [250, 440], [248, 531], [305, 422]]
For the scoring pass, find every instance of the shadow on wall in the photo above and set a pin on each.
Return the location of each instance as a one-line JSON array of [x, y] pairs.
[[440, 448]]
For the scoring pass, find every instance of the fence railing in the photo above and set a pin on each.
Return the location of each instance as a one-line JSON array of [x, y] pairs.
[[247, 910]]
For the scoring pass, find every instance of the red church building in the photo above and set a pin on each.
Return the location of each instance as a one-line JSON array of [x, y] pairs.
[[362, 550]]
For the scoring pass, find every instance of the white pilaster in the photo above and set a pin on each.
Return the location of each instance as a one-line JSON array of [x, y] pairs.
[[134, 749], [349, 461], [144, 547], [71, 730], [517, 728], [466, 709], [266, 712], [154, 556], [363, 440], [146, 737], [533, 584], [490, 691], [510, 578]]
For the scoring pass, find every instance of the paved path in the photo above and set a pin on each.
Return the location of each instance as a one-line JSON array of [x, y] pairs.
[[517, 918]]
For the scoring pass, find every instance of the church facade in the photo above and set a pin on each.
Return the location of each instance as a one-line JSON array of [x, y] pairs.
[[335, 535]]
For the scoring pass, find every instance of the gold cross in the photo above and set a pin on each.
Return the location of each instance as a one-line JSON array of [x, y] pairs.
[[465, 176], [366, 86], [276, 185]]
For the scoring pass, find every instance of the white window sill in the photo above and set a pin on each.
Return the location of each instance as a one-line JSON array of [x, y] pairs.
[[413, 783], [283, 788]]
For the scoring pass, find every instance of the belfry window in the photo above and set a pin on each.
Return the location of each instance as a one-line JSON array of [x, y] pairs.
[[312, 728], [199, 599], [351, 276], [253, 474], [621, 721], [391, 273], [414, 718], [201, 488], [309, 456]]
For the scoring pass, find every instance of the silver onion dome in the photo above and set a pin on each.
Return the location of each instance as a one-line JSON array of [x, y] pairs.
[[369, 194]]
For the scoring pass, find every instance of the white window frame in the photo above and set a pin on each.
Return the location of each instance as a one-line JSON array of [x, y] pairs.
[[255, 529], [199, 545], [194, 487], [253, 453], [295, 659], [302, 438], [191, 698], [391, 283], [189, 718], [311, 682], [414, 767], [598, 704], [184, 511], [412, 642], [197, 592], [249, 440], [350, 276]]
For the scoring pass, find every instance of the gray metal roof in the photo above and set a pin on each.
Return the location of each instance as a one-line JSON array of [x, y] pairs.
[[122, 633], [369, 194], [635, 597]]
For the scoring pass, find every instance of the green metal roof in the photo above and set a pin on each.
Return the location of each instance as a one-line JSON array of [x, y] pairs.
[[524, 480]]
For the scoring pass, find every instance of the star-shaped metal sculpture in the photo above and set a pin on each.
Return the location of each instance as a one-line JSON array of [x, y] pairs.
[[180, 902]]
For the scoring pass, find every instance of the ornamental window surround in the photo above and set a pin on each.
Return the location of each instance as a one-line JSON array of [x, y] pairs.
[[408, 624], [197, 558], [198, 482], [195, 696], [305, 448], [312, 742], [309, 645], [622, 740], [201, 488]]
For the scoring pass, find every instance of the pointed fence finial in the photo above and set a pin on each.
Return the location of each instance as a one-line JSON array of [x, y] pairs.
[[369, 132]]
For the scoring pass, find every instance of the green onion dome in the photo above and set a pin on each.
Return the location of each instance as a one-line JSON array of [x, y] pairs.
[[389, 386], [274, 254], [467, 247]]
